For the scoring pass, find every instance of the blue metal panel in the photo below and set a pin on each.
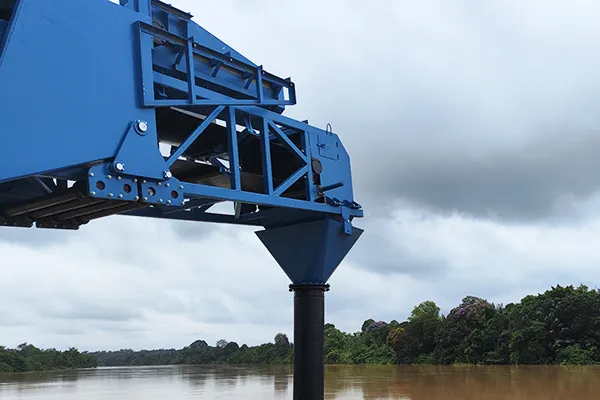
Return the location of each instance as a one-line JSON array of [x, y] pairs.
[[334, 170], [69, 73]]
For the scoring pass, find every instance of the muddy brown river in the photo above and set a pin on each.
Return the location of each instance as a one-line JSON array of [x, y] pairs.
[[275, 382]]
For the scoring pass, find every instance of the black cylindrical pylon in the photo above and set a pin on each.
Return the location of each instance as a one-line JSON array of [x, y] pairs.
[[309, 327]]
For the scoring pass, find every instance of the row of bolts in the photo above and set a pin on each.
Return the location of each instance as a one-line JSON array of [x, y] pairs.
[[136, 198]]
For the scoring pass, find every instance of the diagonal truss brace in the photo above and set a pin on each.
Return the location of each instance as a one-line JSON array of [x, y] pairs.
[[303, 170], [194, 135], [139, 158]]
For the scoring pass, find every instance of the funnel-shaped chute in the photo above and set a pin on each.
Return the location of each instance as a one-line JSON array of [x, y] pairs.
[[309, 252]]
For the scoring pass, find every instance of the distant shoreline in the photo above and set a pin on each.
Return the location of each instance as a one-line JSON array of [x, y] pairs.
[[327, 366], [558, 327]]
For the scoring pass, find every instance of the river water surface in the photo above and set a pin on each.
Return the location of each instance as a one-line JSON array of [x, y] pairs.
[[275, 382]]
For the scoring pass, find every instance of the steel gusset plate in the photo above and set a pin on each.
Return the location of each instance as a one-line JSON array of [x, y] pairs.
[[167, 193], [102, 184]]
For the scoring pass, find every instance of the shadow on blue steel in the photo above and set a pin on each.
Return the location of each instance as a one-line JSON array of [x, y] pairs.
[[133, 109]]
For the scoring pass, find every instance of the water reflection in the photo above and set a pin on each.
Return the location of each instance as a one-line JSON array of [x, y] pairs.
[[469, 382], [275, 382]]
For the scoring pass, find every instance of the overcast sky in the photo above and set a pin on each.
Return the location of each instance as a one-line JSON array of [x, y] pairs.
[[474, 131]]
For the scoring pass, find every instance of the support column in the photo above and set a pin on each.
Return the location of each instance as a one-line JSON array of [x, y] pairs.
[[309, 253], [309, 324]]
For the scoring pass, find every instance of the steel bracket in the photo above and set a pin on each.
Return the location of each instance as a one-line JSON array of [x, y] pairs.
[[138, 154], [104, 184], [347, 223], [166, 193]]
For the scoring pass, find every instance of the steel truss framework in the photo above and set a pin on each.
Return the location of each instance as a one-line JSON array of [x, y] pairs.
[[133, 109], [184, 72], [191, 201]]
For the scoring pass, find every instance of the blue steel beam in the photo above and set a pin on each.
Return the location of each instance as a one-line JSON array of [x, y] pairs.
[[136, 110], [91, 143], [219, 113]]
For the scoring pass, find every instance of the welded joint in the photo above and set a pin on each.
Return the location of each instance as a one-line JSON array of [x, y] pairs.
[[222, 167]]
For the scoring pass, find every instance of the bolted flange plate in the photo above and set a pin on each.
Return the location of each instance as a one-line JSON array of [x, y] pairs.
[[105, 184], [167, 193]]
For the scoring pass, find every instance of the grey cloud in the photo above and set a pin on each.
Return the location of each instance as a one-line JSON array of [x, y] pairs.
[[445, 117], [440, 107], [536, 181], [381, 252], [212, 310], [90, 311], [68, 330], [10, 319], [187, 230], [231, 306], [34, 237]]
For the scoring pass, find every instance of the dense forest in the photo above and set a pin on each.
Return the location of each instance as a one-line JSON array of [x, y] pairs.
[[29, 358], [560, 326]]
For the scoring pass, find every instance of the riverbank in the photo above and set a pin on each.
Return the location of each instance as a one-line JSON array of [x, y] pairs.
[[559, 326], [26, 358]]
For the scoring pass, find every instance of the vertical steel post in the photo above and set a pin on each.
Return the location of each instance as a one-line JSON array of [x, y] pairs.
[[309, 327], [309, 253]]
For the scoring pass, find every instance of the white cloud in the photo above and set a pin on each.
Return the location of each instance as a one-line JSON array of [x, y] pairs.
[[395, 78], [222, 287]]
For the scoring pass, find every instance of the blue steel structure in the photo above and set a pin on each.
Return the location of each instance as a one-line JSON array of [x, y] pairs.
[[136, 110]]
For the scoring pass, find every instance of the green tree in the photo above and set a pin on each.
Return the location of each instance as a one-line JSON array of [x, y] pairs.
[[460, 338]]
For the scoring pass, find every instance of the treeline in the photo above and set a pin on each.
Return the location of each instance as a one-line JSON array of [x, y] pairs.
[[199, 352], [560, 326], [29, 358]]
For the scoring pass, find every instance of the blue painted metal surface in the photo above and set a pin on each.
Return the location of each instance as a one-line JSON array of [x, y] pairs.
[[153, 116], [323, 245], [134, 109]]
